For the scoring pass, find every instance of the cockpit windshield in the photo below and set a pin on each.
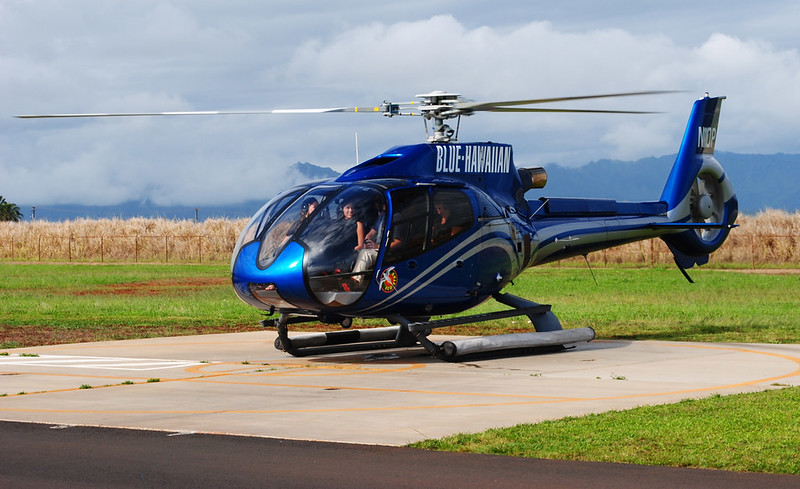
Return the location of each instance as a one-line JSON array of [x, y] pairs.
[[290, 222], [264, 217], [340, 230]]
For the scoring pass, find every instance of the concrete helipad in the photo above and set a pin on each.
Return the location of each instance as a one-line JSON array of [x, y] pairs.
[[239, 384]]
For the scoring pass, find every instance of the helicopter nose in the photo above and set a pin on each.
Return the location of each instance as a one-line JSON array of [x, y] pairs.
[[281, 283]]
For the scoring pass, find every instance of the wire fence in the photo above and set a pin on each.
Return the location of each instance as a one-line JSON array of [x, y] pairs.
[[755, 250], [119, 249]]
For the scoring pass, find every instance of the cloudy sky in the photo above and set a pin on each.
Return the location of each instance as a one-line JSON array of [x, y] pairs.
[[176, 55]]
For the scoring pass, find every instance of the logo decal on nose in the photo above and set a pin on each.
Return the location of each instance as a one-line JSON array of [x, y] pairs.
[[389, 280]]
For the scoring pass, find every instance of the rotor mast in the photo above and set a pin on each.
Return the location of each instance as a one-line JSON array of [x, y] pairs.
[[440, 106]]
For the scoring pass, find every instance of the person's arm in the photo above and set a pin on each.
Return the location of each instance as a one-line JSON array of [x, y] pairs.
[[360, 235]]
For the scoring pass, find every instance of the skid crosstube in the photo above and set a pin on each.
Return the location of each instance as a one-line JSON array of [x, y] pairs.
[[409, 332]]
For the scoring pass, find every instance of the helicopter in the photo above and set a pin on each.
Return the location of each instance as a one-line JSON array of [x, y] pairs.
[[434, 229]]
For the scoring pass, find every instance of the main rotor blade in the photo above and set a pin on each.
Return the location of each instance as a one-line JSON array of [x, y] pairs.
[[206, 112], [493, 106], [323, 111], [585, 111], [387, 108]]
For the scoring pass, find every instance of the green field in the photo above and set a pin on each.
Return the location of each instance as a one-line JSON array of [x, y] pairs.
[[97, 302], [57, 303]]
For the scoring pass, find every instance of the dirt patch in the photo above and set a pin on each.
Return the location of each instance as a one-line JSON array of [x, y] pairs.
[[22, 336], [156, 287], [25, 336], [765, 271]]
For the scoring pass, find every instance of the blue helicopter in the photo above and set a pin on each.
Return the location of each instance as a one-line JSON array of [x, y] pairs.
[[437, 228], [433, 229]]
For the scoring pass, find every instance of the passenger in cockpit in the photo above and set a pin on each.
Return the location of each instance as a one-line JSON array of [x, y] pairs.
[[443, 226], [352, 225], [368, 247], [371, 238]]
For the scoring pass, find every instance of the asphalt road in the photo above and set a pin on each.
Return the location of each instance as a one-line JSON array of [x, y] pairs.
[[45, 455]]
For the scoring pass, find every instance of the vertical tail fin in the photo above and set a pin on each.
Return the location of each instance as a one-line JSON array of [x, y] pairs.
[[698, 190]]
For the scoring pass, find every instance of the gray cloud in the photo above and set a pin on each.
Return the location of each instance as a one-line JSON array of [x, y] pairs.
[[99, 56]]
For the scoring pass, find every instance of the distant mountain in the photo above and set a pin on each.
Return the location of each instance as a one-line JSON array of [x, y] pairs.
[[314, 172], [764, 181], [760, 181]]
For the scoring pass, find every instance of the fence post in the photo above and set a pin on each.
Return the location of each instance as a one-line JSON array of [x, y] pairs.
[[652, 253]]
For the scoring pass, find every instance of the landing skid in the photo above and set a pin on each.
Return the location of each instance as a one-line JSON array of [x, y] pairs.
[[408, 333]]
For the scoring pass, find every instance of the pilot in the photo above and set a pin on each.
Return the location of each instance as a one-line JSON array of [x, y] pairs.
[[308, 207], [305, 210]]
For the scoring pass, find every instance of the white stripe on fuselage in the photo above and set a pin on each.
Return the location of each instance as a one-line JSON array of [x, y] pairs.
[[431, 273]]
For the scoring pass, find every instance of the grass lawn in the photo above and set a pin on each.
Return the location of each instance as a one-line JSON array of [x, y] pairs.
[[50, 304], [757, 432], [97, 302]]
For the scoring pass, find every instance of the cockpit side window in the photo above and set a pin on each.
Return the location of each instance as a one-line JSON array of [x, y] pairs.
[[452, 215], [410, 222], [424, 218], [339, 229], [340, 244]]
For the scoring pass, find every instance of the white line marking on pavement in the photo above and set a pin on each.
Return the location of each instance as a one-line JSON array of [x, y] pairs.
[[106, 363]]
